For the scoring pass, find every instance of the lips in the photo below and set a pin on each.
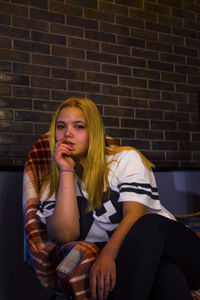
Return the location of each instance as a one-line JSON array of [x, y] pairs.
[[68, 143]]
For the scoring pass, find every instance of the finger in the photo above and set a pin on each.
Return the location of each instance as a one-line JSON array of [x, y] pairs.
[[93, 287], [113, 281], [107, 286], [100, 288]]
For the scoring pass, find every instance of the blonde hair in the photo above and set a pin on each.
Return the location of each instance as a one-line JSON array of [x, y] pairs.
[[97, 169]]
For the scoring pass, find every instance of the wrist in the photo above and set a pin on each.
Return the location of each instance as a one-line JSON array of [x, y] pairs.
[[67, 170]]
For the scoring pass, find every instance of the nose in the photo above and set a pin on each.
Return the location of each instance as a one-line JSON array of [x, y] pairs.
[[68, 132]]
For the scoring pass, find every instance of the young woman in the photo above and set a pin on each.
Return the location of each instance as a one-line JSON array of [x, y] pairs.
[[109, 196]]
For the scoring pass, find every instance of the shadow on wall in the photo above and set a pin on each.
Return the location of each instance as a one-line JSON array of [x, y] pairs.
[[17, 281], [179, 190]]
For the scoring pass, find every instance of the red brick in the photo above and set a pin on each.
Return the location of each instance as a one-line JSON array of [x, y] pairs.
[[58, 50], [39, 59], [149, 114], [129, 41], [13, 127], [113, 8], [47, 106], [177, 135], [133, 82], [176, 116], [34, 3], [133, 102], [157, 8], [6, 114], [115, 69], [146, 93], [48, 83], [156, 65], [83, 86], [101, 57], [62, 95], [32, 116], [13, 103], [185, 51], [181, 13], [110, 122], [5, 19], [5, 42], [14, 79], [121, 133], [187, 69], [5, 90], [145, 73], [157, 27], [147, 54], [159, 85], [149, 134], [117, 111], [188, 126], [163, 125], [98, 15], [166, 57], [34, 93], [113, 28], [87, 3], [138, 144], [31, 46], [175, 3], [132, 123], [14, 9], [14, 32], [65, 8], [66, 30], [111, 48], [116, 90], [83, 65], [81, 43], [14, 55], [29, 23], [68, 74], [5, 66], [104, 78], [143, 34], [163, 145], [31, 69], [170, 20], [82, 22], [100, 36], [178, 156], [183, 88], [173, 77], [133, 22], [162, 105], [48, 38], [103, 99], [157, 46], [142, 14], [46, 15]]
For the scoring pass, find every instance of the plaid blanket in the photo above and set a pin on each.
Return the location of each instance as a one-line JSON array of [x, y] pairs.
[[58, 267]]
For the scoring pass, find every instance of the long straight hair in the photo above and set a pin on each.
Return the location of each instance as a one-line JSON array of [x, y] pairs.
[[95, 174]]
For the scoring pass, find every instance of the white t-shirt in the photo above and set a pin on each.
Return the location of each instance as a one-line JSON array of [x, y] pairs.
[[130, 180]]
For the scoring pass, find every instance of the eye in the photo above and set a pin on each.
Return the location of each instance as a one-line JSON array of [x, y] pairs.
[[59, 126], [80, 126]]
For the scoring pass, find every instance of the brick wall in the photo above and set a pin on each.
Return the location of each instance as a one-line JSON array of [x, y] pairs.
[[138, 60]]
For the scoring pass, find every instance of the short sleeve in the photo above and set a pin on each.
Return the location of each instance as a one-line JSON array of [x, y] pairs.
[[135, 182], [46, 206]]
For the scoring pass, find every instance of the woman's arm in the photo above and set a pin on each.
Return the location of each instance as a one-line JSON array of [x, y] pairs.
[[104, 266], [63, 225]]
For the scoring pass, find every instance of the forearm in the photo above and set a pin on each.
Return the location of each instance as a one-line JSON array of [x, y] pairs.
[[113, 245], [63, 225]]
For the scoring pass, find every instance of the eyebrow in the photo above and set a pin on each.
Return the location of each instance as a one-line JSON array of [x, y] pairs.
[[74, 122]]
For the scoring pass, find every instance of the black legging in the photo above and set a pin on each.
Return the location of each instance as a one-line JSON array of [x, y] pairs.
[[159, 260]]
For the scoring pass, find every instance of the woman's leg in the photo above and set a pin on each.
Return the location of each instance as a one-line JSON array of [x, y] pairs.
[[151, 239], [170, 283]]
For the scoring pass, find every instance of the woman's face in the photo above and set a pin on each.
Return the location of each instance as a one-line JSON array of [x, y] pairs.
[[72, 129]]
